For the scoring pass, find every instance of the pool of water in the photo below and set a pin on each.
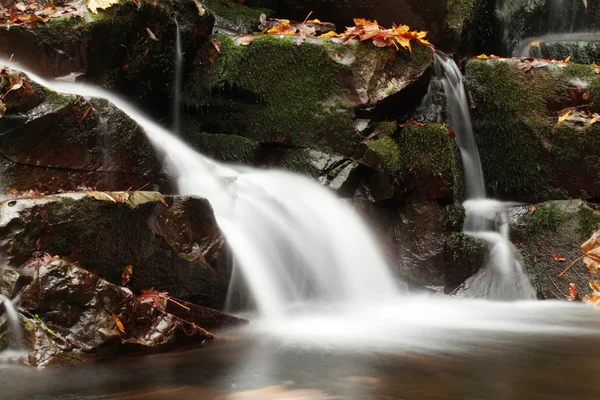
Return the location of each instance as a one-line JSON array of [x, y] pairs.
[[553, 352]]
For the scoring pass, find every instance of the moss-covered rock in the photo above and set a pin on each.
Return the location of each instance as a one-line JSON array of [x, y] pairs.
[[526, 154], [555, 229]]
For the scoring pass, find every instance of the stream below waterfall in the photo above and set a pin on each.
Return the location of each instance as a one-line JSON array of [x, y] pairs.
[[426, 349]]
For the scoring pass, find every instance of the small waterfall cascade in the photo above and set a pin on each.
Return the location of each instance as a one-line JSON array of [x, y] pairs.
[[293, 240], [503, 277], [177, 83], [13, 326]]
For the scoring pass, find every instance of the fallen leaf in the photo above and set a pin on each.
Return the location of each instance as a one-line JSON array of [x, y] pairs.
[[329, 35], [151, 34], [2, 109], [243, 40], [572, 292], [594, 297], [119, 323], [524, 66], [558, 257], [94, 5], [85, 113], [126, 275], [568, 59], [586, 96], [155, 298], [200, 8], [591, 251], [565, 115], [585, 3], [482, 57], [532, 208]]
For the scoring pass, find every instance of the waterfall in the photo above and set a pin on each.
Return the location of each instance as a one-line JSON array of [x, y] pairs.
[[13, 325], [178, 81], [293, 240], [503, 277]]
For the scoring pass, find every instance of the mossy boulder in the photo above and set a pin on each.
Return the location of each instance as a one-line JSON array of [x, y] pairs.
[[549, 236], [579, 51], [277, 93], [526, 153], [51, 141], [171, 243]]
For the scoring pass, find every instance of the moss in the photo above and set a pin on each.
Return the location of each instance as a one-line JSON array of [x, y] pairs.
[[236, 13], [578, 71], [594, 89], [545, 218], [275, 91], [225, 147], [388, 151], [459, 11], [589, 221]]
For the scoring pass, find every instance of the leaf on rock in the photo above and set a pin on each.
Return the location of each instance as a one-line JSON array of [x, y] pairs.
[[119, 323], [594, 297], [2, 109], [482, 57], [591, 249], [283, 27], [329, 35], [151, 34], [155, 298], [126, 275], [200, 8], [243, 40], [559, 257], [572, 292], [94, 5], [563, 117], [568, 59], [524, 66]]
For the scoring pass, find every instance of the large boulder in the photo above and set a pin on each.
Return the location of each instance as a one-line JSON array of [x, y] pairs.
[[172, 244], [51, 141], [528, 152], [549, 236]]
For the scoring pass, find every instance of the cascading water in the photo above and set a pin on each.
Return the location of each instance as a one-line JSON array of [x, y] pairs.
[[503, 278], [293, 240], [13, 326], [178, 81]]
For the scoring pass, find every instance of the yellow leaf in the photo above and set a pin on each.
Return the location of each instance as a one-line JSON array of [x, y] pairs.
[[200, 8], [568, 59], [329, 35], [126, 275], [283, 27], [482, 57], [564, 116], [585, 3], [119, 323], [94, 5]]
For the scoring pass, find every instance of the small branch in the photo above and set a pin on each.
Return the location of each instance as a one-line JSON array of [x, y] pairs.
[[176, 302], [573, 263]]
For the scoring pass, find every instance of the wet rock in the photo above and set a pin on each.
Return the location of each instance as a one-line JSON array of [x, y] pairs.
[[526, 154], [56, 141], [171, 243], [237, 17], [463, 257], [78, 312], [554, 229], [11, 281]]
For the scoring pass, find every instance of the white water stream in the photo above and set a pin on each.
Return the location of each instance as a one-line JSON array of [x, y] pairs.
[[295, 242], [13, 327], [503, 278], [177, 81]]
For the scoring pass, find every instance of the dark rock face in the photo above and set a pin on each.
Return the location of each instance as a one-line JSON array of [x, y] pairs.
[[554, 228], [55, 141], [172, 244], [526, 153], [114, 49]]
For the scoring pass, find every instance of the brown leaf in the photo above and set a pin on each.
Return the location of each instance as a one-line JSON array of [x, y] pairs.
[[572, 292], [591, 249], [524, 66], [559, 257], [126, 275], [2, 109], [94, 5], [243, 40], [151, 34], [154, 298], [85, 113], [216, 44], [532, 208]]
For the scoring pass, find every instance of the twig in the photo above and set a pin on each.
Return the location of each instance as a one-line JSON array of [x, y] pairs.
[[173, 301], [147, 183], [573, 263]]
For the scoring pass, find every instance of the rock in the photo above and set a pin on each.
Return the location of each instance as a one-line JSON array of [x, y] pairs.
[[555, 228], [114, 49], [521, 19], [463, 256], [231, 16], [171, 243], [11, 281], [278, 94], [444, 19], [56, 142], [579, 50], [526, 154], [82, 313]]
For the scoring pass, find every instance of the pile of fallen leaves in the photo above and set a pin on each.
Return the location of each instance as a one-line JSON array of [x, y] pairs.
[[398, 36], [33, 12]]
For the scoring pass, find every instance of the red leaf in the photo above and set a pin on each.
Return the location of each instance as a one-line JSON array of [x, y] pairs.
[[558, 257], [572, 292]]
